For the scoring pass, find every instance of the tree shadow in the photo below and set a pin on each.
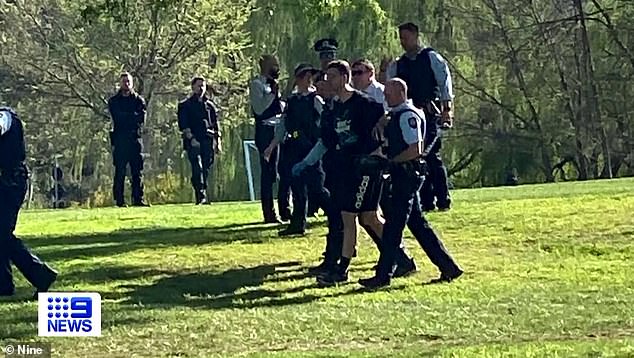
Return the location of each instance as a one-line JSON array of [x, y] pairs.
[[121, 241]]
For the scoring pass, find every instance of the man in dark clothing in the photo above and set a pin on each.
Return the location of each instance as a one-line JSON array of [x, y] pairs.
[[198, 122], [13, 179], [347, 135], [299, 129], [404, 135], [127, 109], [267, 107], [430, 87]]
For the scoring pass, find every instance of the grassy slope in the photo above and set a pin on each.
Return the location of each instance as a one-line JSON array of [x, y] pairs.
[[549, 273]]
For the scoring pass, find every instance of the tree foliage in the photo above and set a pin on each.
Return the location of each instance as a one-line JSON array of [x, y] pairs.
[[543, 87]]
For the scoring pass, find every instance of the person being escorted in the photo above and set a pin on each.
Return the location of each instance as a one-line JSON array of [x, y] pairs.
[[13, 187], [267, 107], [198, 123], [430, 87], [127, 110], [300, 131], [348, 132], [404, 135]]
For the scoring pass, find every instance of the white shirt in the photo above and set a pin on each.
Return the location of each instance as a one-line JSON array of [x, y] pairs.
[[261, 96], [375, 91], [5, 121]]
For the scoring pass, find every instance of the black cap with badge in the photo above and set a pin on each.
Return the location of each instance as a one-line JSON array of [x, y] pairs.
[[302, 68], [327, 48]]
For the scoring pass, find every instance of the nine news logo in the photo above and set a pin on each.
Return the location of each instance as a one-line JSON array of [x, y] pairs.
[[69, 314]]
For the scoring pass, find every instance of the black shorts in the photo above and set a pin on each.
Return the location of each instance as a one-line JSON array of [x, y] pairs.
[[359, 193]]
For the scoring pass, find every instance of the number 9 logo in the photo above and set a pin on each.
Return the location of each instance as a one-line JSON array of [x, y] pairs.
[[81, 307]]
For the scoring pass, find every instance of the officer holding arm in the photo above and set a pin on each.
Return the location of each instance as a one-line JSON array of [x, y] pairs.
[[13, 179], [430, 88], [300, 130], [404, 134], [198, 122]]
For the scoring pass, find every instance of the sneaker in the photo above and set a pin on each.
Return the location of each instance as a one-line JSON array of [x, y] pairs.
[[323, 268], [404, 271], [44, 288], [447, 277], [141, 204], [291, 231], [375, 282], [332, 278]]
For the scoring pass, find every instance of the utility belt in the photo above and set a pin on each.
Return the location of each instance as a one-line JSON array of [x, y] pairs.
[[416, 167], [119, 136], [14, 176]]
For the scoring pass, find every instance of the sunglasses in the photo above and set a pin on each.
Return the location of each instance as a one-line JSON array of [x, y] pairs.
[[358, 72]]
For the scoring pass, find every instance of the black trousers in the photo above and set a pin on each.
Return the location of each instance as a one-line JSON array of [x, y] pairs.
[[128, 152], [405, 210], [12, 249], [436, 184], [201, 158], [268, 175]]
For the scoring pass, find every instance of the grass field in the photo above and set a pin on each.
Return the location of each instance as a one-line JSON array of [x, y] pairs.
[[549, 273]]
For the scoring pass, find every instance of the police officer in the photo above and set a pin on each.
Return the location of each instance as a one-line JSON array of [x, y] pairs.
[[430, 87], [300, 130], [13, 178], [198, 122], [127, 109], [348, 135], [404, 135], [327, 50], [267, 107]]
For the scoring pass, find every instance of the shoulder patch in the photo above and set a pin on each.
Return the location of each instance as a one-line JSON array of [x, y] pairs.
[[413, 122]]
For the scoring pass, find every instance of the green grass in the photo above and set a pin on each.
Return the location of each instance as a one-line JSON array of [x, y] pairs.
[[550, 273]]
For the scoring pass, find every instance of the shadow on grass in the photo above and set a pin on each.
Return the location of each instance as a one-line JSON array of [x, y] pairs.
[[222, 290], [122, 241]]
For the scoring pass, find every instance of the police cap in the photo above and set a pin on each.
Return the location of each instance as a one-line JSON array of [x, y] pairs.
[[327, 48]]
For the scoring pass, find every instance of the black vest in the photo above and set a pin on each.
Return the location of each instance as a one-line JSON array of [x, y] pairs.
[[419, 76], [273, 110], [395, 142], [12, 148], [302, 119]]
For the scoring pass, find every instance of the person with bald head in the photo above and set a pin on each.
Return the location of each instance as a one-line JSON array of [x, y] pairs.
[[267, 108], [404, 135]]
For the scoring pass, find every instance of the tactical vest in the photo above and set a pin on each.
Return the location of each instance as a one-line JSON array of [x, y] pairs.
[[395, 142], [302, 119], [419, 76], [271, 111], [12, 148]]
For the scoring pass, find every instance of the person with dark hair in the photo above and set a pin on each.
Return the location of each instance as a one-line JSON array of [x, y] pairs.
[[405, 132], [363, 79], [430, 87], [347, 132], [299, 130], [13, 186], [127, 109], [198, 123]]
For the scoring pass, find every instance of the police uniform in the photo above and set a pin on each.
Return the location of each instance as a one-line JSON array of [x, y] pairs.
[[404, 129], [428, 80], [265, 121], [13, 185], [302, 125], [201, 118], [128, 116]]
